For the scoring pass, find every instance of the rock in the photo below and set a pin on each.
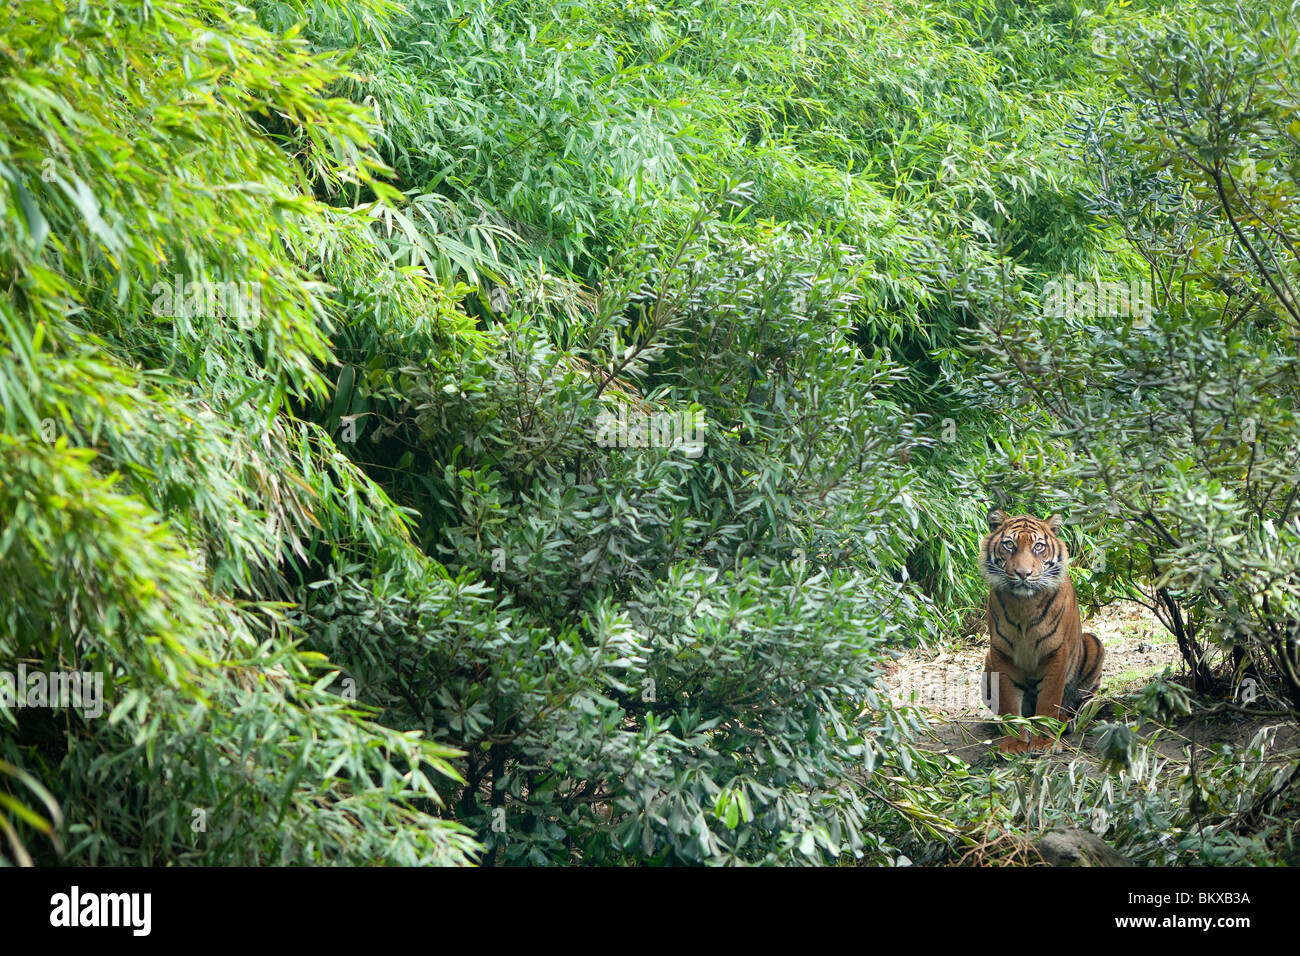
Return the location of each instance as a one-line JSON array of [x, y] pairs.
[[1069, 847]]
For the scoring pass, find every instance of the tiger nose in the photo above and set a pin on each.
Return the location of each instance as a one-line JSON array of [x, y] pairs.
[[1022, 573]]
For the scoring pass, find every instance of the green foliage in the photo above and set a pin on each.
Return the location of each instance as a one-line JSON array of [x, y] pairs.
[[1180, 418], [1216, 806], [326, 325], [657, 633], [154, 489]]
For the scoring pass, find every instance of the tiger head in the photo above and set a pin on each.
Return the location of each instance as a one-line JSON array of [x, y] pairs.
[[1023, 556]]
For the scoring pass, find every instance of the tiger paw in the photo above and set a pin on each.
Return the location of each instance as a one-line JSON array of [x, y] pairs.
[[1012, 745], [1045, 745]]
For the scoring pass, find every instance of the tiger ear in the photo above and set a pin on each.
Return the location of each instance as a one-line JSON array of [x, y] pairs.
[[1055, 523], [997, 518]]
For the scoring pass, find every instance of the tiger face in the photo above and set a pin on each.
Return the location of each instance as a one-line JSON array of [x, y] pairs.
[[1023, 556]]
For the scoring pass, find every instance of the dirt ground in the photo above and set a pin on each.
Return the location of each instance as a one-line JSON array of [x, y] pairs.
[[946, 686]]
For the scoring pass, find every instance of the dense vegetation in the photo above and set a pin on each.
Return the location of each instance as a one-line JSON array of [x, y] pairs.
[[331, 332]]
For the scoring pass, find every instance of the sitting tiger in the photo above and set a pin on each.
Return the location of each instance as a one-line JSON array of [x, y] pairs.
[[1041, 659]]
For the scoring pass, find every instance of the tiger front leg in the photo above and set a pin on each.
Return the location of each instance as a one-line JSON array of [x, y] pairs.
[[1050, 696], [1009, 700]]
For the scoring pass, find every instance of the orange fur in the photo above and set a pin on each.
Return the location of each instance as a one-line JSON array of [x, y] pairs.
[[1040, 658]]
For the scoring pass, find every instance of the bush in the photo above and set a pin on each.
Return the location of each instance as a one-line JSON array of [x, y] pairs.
[[1180, 414]]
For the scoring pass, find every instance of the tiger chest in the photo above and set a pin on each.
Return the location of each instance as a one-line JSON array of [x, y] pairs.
[[1030, 634]]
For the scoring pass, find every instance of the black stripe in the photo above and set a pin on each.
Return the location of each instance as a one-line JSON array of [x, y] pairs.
[[1055, 625], [1092, 671], [998, 631], [1046, 608]]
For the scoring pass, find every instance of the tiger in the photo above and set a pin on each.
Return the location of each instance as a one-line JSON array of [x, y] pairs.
[[1040, 660]]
